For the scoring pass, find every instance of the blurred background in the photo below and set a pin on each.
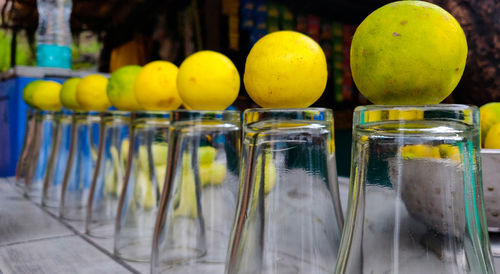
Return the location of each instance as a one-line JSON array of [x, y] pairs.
[[108, 34]]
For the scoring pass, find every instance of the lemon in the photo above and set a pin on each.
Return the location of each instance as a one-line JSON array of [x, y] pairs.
[[490, 115], [120, 89], [46, 95], [28, 92], [155, 86], [206, 155], [420, 151], [492, 139], [450, 152], [68, 94], [91, 93], [212, 174], [208, 80], [408, 53], [285, 69]]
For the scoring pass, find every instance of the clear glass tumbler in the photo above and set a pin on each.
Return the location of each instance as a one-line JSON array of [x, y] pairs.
[[415, 198], [109, 173], [201, 190], [144, 178], [58, 158], [82, 159], [289, 218], [37, 164], [26, 149]]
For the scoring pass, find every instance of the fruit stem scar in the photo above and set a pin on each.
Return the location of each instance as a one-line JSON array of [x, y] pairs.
[[403, 22], [396, 34]]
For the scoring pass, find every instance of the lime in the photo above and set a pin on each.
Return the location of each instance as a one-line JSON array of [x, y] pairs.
[[208, 80], [408, 53], [285, 69], [120, 88], [68, 94], [28, 92], [156, 86]]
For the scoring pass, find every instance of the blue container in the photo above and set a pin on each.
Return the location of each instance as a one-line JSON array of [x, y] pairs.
[[13, 110]]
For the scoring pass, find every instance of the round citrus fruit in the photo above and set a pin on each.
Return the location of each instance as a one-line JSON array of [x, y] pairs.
[[490, 115], [492, 139], [208, 80], [120, 88], [156, 86], [285, 69], [91, 93], [46, 96], [68, 94], [408, 53], [28, 92]]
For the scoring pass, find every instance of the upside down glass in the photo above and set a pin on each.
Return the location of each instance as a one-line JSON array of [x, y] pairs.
[[82, 159], [57, 160], [199, 198], [415, 198], [107, 181], [37, 164], [289, 217], [27, 148], [144, 177]]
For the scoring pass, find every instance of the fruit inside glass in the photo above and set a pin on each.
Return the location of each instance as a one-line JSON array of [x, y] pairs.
[[415, 192]]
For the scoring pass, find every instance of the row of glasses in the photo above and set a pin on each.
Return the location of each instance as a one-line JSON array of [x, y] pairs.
[[420, 209]]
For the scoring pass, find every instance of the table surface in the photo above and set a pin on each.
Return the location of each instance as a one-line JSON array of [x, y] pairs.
[[34, 240]]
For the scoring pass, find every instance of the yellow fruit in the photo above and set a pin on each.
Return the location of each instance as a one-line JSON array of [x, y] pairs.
[[185, 194], [285, 69], [492, 139], [403, 114], [409, 53], [490, 115], [208, 80], [212, 174], [420, 151], [28, 92], [91, 93], [206, 155], [155, 86], [269, 174], [68, 94], [46, 96], [124, 151], [450, 152], [160, 153], [120, 89]]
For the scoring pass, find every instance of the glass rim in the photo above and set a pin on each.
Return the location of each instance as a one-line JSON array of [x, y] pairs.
[[456, 107], [185, 115], [286, 110], [111, 113]]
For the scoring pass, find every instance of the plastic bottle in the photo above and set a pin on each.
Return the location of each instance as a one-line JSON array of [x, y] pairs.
[[53, 33]]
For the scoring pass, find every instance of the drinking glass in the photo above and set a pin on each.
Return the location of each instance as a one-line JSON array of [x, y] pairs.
[[27, 148], [144, 177], [415, 198], [289, 218], [199, 198], [37, 164], [108, 175], [58, 157], [82, 159]]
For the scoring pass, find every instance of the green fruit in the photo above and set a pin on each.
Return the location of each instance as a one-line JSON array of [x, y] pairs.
[[492, 139], [490, 115], [120, 89], [160, 153], [68, 94], [212, 174], [206, 155], [28, 92], [408, 53]]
